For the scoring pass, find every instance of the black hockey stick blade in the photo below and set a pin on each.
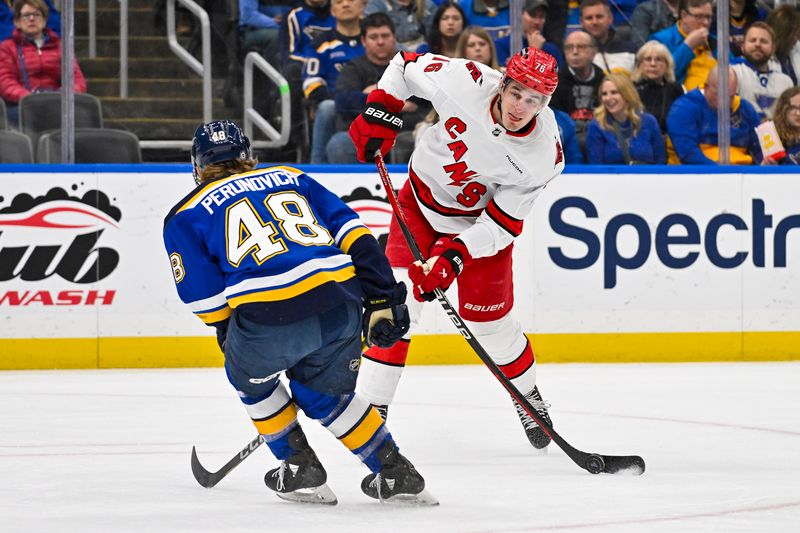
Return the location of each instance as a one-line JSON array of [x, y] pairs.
[[591, 462], [623, 464], [209, 479]]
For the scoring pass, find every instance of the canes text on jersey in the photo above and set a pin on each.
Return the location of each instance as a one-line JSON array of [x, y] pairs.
[[460, 174]]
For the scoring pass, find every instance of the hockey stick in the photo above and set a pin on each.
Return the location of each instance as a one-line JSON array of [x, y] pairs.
[[209, 479], [592, 462]]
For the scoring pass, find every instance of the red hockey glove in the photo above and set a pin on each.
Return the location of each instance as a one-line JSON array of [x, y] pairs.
[[448, 259], [376, 128]]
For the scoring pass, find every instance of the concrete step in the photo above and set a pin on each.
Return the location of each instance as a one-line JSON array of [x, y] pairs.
[[158, 128], [138, 46], [139, 67], [145, 87], [140, 22], [163, 108], [114, 4]]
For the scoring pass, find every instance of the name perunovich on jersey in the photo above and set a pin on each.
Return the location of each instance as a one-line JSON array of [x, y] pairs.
[[273, 236]]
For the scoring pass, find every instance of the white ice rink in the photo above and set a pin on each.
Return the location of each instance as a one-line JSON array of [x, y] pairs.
[[99, 451]]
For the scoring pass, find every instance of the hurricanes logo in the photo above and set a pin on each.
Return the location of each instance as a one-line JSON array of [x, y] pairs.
[[57, 234]]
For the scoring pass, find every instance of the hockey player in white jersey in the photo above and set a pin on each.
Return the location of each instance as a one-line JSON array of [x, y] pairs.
[[473, 179]]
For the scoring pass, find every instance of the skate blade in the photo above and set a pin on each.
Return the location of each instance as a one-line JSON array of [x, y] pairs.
[[319, 495], [424, 498], [540, 451]]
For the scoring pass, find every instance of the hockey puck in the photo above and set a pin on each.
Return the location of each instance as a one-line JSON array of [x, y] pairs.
[[595, 464]]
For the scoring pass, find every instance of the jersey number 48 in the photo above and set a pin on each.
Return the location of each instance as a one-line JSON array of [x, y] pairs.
[[247, 233]]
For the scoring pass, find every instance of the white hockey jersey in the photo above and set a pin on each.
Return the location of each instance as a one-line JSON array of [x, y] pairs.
[[470, 175]]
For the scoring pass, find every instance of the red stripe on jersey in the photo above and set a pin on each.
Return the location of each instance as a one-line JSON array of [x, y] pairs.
[[521, 364], [410, 57], [425, 197], [394, 356], [503, 219]]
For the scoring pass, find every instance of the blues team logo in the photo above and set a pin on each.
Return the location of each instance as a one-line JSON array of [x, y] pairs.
[[56, 236]]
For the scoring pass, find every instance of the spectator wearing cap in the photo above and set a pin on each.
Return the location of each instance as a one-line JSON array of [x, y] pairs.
[[758, 83], [30, 60], [491, 14], [692, 126], [534, 16], [576, 93], [690, 42], [652, 16], [615, 49]]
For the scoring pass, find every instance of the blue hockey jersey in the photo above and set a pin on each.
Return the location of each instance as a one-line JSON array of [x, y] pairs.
[[271, 238]]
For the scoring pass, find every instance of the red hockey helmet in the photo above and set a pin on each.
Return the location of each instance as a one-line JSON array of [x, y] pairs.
[[533, 68]]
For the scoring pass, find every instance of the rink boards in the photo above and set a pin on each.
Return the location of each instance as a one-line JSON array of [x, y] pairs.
[[614, 264]]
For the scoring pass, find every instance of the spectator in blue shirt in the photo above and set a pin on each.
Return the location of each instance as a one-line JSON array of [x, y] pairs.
[[621, 132], [491, 14], [258, 25], [692, 125], [534, 16], [569, 140]]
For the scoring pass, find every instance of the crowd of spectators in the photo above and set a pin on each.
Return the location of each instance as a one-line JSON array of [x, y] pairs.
[[637, 80]]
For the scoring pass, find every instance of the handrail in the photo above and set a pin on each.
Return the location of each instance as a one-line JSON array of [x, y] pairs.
[[123, 42], [202, 69], [92, 29], [123, 48], [253, 117]]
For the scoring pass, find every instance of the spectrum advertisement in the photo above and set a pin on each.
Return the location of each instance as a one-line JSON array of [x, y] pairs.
[[610, 267]]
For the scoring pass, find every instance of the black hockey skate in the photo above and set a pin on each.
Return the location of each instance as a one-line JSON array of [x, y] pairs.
[[398, 481], [536, 435], [301, 477]]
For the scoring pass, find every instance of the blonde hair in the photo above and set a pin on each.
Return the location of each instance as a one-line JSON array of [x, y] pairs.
[[628, 92], [789, 134], [224, 169], [654, 48], [479, 32]]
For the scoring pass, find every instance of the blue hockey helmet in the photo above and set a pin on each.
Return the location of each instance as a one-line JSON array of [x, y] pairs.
[[216, 142]]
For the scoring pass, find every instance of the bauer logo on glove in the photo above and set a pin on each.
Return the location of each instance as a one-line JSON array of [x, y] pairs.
[[376, 128], [381, 116]]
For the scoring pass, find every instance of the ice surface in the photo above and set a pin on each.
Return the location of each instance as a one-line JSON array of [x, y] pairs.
[[98, 451]]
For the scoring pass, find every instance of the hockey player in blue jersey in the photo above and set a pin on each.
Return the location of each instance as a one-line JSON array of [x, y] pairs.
[[290, 277]]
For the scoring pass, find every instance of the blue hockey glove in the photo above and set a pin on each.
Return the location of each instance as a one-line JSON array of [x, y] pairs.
[[386, 318]]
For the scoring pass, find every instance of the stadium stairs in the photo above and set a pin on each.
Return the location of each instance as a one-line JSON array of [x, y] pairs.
[[165, 97]]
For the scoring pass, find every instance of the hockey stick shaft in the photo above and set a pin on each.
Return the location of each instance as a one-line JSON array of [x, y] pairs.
[[608, 464], [209, 479]]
